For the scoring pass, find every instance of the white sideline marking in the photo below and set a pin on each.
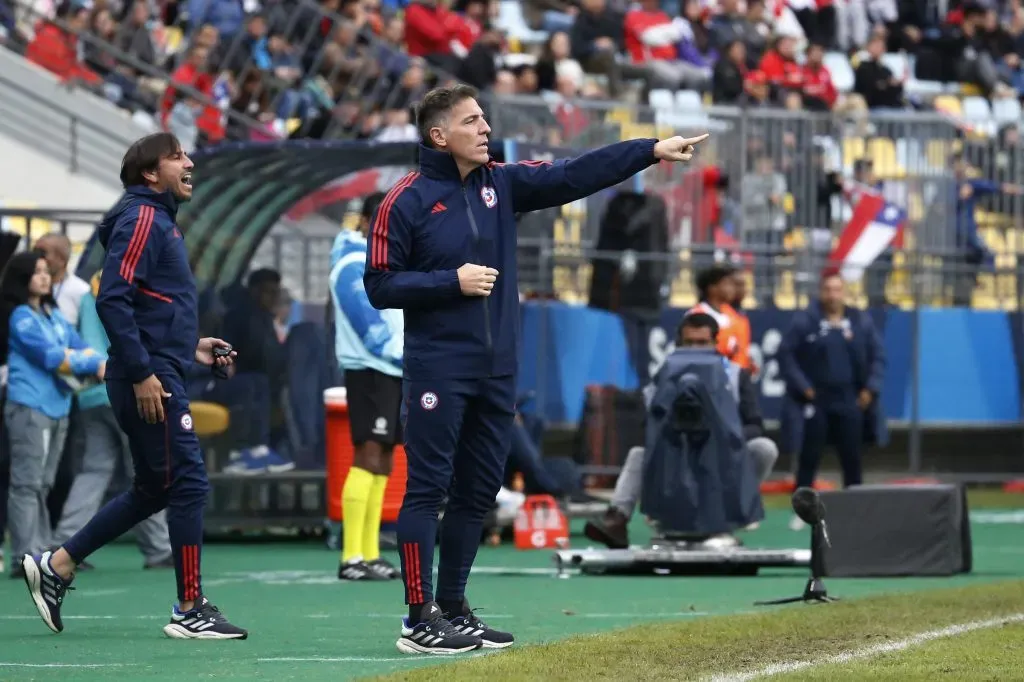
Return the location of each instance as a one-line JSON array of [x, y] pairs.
[[346, 659], [869, 651], [89, 617], [5, 664]]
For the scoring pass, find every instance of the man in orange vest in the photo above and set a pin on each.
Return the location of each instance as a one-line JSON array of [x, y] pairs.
[[716, 287]]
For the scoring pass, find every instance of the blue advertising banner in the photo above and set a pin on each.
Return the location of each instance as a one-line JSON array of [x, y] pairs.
[[970, 361]]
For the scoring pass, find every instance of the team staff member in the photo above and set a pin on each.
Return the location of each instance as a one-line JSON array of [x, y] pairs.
[[147, 302], [443, 249], [368, 347], [716, 287], [833, 363]]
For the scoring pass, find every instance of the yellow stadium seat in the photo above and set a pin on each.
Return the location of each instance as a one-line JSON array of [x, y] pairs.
[[882, 152], [937, 153], [853, 149], [634, 130], [209, 419], [948, 104]]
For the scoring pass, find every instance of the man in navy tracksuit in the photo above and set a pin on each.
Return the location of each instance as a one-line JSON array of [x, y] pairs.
[[443, 249], [147, 303], [833, 363]]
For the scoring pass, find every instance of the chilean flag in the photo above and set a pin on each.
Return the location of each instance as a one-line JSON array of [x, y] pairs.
[[874, 225]]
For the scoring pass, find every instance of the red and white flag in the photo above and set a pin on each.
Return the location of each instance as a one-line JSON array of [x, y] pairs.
[[873, 226]]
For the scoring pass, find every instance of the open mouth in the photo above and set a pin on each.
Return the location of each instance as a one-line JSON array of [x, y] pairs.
[[186, 179]]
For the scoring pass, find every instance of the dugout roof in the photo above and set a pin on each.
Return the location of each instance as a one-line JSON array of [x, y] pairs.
[[243, 189]]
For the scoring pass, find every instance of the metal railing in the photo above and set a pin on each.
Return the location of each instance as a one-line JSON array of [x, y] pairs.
[[775, 189]]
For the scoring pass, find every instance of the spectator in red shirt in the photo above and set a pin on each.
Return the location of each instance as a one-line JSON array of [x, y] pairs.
[[652, 41], [779, 65], [193, 73], [56, 50], [819, 92], [432, 32]]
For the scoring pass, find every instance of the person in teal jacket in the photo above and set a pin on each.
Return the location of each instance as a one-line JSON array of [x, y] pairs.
[[106, 447], [46, 361]]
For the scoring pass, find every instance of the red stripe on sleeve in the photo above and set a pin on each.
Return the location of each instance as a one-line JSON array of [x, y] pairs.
[[138, 243], [379, 244]]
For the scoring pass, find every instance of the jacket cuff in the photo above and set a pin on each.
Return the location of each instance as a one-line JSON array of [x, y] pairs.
[[138, 373]]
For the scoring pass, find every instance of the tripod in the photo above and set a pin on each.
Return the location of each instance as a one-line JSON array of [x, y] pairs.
[[815, 590]]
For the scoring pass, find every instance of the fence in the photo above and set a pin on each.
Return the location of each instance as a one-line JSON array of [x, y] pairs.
[[772, 187]]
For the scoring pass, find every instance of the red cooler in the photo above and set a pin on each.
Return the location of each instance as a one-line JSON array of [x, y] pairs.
[[340, 454]]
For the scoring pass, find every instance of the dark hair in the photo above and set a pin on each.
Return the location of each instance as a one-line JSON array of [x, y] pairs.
[[263, 276], [712, 276], [437, 104], [16, 276], [370, 204], [144, 157], [698, 321]]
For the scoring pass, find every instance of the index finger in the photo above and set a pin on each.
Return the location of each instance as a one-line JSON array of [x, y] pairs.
[[696, 140], [491, 271]]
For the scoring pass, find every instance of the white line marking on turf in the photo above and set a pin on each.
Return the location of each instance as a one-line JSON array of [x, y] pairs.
[[6, 664], [346, 659], [91, 617], [870, 651]]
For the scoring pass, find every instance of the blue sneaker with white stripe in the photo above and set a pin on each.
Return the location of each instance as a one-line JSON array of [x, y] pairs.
[[46, 588], [434, 635]]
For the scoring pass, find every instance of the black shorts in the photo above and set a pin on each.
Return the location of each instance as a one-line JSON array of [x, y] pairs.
[[374, 404]]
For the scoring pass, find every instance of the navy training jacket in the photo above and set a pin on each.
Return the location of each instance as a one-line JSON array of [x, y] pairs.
[[432, 222], [147, 298]]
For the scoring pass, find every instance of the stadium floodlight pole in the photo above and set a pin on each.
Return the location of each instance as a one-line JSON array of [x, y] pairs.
[[808, 506]]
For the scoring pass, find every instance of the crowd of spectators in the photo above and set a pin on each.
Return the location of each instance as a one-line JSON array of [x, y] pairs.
[[352, 67]]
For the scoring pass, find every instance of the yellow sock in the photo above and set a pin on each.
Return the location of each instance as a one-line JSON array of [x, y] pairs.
[[354, 498], [374, 509]]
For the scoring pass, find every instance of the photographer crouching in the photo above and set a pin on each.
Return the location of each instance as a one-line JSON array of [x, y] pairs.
[[697, 331]]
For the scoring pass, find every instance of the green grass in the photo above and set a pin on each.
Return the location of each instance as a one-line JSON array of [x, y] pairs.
[[750, 642], [308, 626], [990, 655]]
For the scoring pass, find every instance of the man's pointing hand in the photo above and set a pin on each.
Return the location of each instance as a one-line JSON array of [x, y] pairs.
[[678, 148]]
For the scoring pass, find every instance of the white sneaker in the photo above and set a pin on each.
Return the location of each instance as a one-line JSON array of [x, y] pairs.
[[509, 502]]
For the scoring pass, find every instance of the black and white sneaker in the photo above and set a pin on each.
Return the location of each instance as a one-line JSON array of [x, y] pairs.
[[384, 568], [469, 624], [434, 635], [204, 621], [46, 588], [357, 569]]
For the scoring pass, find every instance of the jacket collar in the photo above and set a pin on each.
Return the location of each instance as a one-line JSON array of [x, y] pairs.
[[164, 199], [438, 165]]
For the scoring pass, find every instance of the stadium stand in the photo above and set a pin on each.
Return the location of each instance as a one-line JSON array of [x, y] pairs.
[[817, 88]]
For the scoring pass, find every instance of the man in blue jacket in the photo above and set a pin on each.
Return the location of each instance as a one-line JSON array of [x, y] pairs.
[[443, 250], [833, 363], [147, 303]]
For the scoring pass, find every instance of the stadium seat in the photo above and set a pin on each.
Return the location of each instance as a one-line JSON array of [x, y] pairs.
[[948, 104], [689, 101], [661, 99], [898, 63], [976, 110], [1006, 111], [882, 152], [839, 68]]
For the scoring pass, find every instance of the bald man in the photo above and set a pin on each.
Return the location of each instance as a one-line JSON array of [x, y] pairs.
[[68, 288]]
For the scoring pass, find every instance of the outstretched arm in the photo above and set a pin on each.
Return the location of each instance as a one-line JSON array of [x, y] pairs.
[[538, 185]]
